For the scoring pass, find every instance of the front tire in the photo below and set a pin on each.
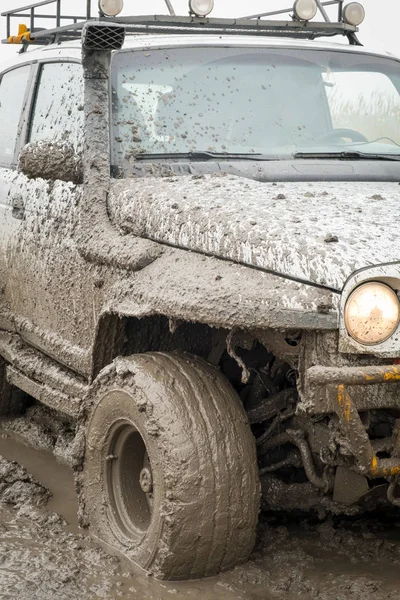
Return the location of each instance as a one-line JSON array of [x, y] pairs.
[[170, 476]]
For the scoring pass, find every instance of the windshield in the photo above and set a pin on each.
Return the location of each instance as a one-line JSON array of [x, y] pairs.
[[266, 101]]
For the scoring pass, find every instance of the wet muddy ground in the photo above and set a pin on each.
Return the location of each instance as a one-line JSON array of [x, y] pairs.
[[44, 556]]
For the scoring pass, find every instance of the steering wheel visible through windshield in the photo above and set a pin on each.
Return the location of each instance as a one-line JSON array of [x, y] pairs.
[[270, 101]]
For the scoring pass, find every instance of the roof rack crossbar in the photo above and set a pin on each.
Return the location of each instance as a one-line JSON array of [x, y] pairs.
[[62, 17], [70, 31], [33, 15], [12, 11]]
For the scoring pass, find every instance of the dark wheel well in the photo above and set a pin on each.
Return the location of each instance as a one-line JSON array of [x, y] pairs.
[[127, 336], [13, 402]]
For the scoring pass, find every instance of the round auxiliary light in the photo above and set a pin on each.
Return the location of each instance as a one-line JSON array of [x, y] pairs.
[[111, 8], [201, 8], [354, 14], [372, 313], [305, 10]]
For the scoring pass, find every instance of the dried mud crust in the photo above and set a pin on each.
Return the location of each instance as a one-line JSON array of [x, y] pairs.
[[19, 489], [45, 429], [39, 559], [203, 458]]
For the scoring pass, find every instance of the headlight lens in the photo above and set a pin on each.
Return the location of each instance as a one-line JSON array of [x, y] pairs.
[[354, 14], [111, 8], [372, 313], [201, 8], [305, 10]]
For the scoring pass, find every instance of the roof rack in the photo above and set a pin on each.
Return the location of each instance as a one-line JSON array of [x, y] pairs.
[[255, 25]]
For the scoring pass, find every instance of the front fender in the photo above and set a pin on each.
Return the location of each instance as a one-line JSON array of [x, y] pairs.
[[196, 288]]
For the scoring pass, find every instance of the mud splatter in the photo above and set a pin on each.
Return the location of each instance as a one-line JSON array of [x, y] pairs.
[[247, 222], [51, 161]]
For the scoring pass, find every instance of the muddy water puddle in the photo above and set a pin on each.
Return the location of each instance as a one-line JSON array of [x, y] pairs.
[[50, 560], [52, 474], [45, 556]]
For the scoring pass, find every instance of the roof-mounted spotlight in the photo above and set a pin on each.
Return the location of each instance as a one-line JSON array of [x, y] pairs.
[[201, 8], [354, 14], [305, 10], [110, 8]]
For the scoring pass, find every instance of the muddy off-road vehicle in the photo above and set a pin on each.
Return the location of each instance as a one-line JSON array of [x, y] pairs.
[[199, 247]]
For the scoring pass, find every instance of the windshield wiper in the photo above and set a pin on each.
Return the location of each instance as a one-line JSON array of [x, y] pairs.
[[347, 155], [203, 155]]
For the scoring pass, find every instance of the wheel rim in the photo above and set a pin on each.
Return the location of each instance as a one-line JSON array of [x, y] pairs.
[[129, 480]]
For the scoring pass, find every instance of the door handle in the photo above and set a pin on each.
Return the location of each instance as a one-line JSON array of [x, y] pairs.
[[18, 207]]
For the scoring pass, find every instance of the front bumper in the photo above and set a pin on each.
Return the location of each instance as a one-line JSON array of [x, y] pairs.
[[340, 390]]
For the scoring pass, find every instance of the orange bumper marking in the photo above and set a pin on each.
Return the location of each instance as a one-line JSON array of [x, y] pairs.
[[344, 402], [384, 473]]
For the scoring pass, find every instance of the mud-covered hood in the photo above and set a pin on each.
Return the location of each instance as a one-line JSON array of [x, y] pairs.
[[319, 233]]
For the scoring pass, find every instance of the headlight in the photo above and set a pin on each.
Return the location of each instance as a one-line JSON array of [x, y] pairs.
[[372, 313], [354, 13], [111, 8], [201, 8], [305, 10]]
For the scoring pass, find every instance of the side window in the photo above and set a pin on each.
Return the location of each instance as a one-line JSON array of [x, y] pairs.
[[58, 108], [13, 86]]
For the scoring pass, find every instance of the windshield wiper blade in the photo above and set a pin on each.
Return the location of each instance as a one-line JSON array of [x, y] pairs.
[[203, 155], [347, 155]]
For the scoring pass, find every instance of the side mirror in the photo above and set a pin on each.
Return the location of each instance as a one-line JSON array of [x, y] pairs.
[[51, 160]]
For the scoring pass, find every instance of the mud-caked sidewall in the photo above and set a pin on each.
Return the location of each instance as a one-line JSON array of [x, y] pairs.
[[116, 407]]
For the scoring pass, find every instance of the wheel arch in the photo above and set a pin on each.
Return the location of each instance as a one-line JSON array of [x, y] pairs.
[[123, 335], [196, 293]]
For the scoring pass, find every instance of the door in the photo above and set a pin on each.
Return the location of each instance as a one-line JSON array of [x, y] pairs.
[[52, 292], [14, 94]]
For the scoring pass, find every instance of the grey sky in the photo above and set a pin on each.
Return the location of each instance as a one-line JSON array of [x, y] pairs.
[[380, 30]]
